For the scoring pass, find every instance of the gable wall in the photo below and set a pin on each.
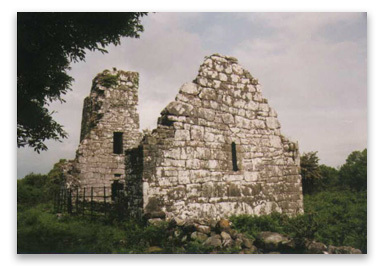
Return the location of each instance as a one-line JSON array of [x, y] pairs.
[[187, 160]]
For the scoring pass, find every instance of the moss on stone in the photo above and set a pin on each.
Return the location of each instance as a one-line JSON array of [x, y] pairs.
[[108, 80]]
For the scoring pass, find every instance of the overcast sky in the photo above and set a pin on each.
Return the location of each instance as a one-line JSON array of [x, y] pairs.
[[312, 67]]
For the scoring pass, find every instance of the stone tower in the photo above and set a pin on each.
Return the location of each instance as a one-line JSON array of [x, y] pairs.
[[110, 125]]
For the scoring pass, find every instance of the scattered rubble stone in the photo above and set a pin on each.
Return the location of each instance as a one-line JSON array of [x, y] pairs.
[[155, 221], [203, 229], [246, 242], [272, 240], [199, 236], [343, 250], [223, 225], [314, 247], [225, 236], [223, 239], [214, 241]]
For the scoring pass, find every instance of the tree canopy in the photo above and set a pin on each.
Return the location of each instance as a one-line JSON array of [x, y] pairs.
[[353, 173], [46, 45], [310, 171]]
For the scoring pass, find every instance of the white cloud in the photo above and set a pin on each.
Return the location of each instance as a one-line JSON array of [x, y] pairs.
[[166, 56], [313, 82], [312, 67]]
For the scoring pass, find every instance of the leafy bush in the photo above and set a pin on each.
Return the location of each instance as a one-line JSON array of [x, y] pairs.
[[252, 225], [341, 217], [333, 217], [32, 190], [196, 247], [37, 188], [301, 226], [40, 231]]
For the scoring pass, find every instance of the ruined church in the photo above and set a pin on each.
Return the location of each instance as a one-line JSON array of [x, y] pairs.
[[217, 149]]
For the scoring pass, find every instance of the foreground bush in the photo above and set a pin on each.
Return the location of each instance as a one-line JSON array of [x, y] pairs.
[[40, 231], [31, 190], [341, 217], [332, 217]]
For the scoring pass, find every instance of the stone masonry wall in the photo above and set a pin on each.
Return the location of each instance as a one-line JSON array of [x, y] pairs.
[[134, 183], [188, 167], [111, 107]]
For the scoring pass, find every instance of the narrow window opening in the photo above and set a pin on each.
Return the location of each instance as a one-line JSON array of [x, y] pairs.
[[116, 189], [234, 156], [118, 142]]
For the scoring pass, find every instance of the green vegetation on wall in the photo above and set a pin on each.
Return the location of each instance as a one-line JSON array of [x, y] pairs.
[[108, 80]]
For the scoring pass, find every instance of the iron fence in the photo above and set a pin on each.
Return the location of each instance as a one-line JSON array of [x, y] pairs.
[[95, 202]]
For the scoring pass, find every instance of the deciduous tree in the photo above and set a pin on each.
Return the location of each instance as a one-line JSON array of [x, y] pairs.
[[353, 173], [310, 171], [46, 44]]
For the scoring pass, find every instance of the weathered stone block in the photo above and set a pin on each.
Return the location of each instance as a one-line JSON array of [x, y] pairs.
[[197, 132], [182, 135], [190, 88], [222, 77], [272, 123]]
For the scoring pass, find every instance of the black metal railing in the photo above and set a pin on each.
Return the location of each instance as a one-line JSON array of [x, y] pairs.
[[95, 202]]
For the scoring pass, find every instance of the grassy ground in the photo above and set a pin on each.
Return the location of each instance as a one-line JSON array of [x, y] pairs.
[[334, 218]]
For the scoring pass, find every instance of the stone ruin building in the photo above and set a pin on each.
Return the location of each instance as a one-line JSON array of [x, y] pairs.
[[217, 149]]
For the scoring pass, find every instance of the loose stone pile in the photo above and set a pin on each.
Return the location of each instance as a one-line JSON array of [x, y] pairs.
[[220, 237], [217, 235]]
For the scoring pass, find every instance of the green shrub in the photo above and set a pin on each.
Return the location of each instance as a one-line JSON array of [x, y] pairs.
[[32, 190], [155, 235], [341, 217], [301, 226], [196, 247], [333, 217], [39, 231], [252, 225], [37, 188]]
